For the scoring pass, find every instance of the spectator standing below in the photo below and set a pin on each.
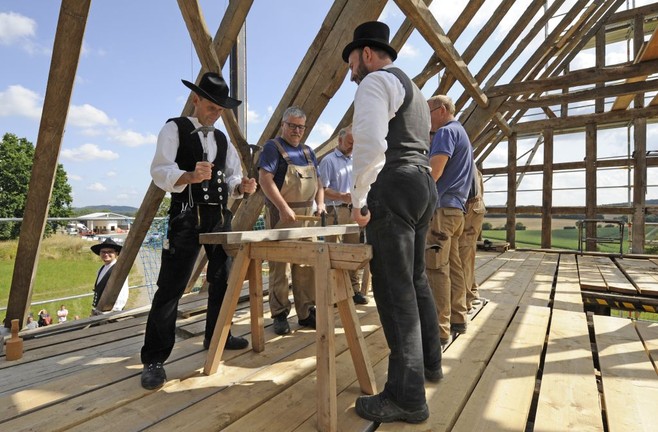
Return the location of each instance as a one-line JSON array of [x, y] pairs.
[[109, 250], [200, 168], [62, 313], [336, 178], [391, 174], [451, 159], [288, 174], [475, 211]]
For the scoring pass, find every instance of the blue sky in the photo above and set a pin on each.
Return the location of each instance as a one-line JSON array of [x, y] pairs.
[[136, 52]]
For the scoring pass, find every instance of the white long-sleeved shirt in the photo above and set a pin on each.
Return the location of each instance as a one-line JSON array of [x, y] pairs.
[[377, 99], [165, 171]]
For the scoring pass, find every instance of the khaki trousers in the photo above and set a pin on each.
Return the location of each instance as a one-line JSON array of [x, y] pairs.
[[467, 248], [447, 281]]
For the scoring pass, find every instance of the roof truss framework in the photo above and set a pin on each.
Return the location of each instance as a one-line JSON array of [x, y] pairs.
[[495, 112]]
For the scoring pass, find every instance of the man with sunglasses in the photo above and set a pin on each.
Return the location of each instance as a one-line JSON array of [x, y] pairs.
[[288, 174]]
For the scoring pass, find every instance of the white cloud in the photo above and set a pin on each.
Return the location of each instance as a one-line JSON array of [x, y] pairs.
[[19, 101], [88, 152], [409, 51], [131, 138], [253, 116], [96, 187], [111, 173], [74, 177], [87, 116], [15, 28]]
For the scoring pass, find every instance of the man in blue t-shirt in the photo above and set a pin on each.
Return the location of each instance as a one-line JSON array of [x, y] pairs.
[[451, 159]]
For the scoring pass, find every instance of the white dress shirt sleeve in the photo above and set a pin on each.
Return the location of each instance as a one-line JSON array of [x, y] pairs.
[[164, 169], [377, 99]]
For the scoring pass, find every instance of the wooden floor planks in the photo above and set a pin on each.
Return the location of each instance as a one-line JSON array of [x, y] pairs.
[[89, 379]]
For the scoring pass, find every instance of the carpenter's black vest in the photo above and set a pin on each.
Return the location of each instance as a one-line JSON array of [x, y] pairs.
[[190, 151], [408, 132], [100, 286]]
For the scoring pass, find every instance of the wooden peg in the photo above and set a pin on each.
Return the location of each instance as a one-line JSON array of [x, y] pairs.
[[14, 348]]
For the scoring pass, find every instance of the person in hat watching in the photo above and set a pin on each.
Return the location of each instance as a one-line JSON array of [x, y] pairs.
[[200, 168], [394, 196], [109, 250]]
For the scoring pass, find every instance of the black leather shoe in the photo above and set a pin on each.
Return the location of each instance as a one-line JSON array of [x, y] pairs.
[[360, 299], [380, 409], [281, 325], [434, 375], [309, 321], [458, 328], [232, 343], [236, 343], [153, 376]]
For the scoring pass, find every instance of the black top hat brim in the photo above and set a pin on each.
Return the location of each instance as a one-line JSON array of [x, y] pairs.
[[108, 243], [371, 43], [227, 102]]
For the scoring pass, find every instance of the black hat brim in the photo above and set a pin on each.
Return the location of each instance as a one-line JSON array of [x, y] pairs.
[[368, 42], [227, 102], [97, 247]]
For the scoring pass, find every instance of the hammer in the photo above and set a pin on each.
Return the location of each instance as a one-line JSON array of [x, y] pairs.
[[204, 130]]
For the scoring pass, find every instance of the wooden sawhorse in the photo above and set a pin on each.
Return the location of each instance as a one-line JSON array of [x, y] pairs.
[[331, 261]]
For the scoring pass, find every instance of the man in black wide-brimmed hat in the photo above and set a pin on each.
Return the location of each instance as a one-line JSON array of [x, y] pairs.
[[200, 168], [391, 175], [108, 251]]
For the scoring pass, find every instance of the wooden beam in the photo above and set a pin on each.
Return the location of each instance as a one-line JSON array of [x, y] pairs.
[[578, 165], [547, 189], [650, 52], [590, 183], [63, 66], [598, 93], [430, 29], [511, 191], [639, 184], [572, 122]]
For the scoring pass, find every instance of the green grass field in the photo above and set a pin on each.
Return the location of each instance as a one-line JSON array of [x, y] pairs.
[[560, 239], [66, 268]]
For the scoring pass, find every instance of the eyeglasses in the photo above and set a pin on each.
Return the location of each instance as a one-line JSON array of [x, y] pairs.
[[436, 108], [294, 126], [108, 252]]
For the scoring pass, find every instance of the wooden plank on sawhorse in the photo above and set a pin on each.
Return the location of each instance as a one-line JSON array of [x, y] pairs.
[[590, 275], [644, 273], [630, 382], [330, 262]]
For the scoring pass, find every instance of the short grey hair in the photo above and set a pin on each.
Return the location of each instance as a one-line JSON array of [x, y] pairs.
[[442, 100], [293, 111], [344, 131]]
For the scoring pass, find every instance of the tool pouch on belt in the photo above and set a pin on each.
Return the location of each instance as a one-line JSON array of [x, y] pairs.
[[183, 233], [432, 256]]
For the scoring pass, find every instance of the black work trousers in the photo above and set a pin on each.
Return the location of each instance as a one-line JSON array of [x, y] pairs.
[[401, 203], [175, 270]]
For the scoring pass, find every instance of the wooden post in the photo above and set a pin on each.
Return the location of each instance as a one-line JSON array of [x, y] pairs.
[[590, 184], [511, 191], [63, 66], [547, 190], [15, 343], [639, 184]]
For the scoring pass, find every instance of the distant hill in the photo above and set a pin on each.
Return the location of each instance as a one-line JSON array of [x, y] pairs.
[[124, 210]]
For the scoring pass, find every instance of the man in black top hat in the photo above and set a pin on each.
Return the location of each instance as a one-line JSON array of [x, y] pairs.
[[200, 168], [391, 175], [109, 250]]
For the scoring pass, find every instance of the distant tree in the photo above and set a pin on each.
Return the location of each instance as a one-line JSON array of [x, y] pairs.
[[486, 226], [519, 226], [163, 209], [16, 156]]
